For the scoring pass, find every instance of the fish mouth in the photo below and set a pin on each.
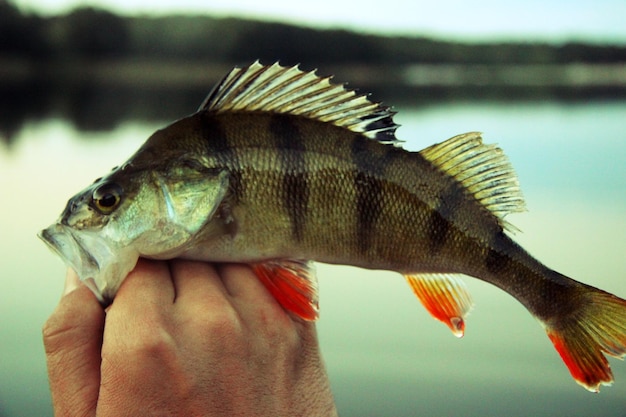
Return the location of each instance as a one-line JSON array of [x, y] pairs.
[[86, 253], [71, 250]]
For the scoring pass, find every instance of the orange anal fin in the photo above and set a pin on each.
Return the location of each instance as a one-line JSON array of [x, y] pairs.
[[445, 297], [293, 284], [582, 338]]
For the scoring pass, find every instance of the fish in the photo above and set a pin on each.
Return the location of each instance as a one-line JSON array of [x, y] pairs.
[[280, 168]]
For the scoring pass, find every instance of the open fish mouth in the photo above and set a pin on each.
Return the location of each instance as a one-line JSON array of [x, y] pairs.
[[61, 240], [93, 258]]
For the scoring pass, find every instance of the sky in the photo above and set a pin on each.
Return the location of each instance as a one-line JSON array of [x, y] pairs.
[[601, 21]]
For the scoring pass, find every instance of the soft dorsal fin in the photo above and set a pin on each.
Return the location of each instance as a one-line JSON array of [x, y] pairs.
[[483, 170], [289, 90]]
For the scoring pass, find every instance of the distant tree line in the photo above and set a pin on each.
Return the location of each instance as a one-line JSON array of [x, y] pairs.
[[93, 34]]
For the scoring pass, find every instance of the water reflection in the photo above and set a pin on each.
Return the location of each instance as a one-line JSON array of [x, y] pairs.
[[103, 104], [90, 107], [384, 355]]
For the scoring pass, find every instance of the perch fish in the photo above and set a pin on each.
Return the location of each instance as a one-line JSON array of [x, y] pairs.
[[280, 167]]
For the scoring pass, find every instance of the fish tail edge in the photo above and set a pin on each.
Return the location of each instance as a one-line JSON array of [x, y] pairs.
[[582, 337]]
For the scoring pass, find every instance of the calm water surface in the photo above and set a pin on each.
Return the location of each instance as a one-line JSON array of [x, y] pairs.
[[385, 356]]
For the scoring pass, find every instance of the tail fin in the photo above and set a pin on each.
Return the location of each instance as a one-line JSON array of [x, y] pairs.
[[581, 338]]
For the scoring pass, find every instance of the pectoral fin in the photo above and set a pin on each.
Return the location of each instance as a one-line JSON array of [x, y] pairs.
[[445, 297], [293, 284]]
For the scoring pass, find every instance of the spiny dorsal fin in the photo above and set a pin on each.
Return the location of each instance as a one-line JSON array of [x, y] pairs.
[[289, 90], [483, 170]]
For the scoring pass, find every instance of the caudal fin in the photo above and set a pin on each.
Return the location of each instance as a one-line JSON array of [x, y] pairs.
[[582, 337]]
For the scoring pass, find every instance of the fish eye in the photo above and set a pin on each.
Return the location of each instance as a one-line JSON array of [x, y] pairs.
[[107, 197]]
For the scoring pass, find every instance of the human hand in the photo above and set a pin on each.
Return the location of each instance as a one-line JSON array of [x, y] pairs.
[[183, 338]]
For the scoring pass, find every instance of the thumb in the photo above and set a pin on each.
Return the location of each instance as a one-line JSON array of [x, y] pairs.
[[72, 338]]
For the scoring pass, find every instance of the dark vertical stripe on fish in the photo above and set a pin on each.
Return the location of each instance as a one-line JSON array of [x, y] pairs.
[[369, 192], [438, 228], [441, 217], [368, 206], [235, 185], [295, 187], [218, 145], [496, 262], [216, 139]]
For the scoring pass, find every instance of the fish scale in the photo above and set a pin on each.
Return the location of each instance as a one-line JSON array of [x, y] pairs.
[[280, 167]]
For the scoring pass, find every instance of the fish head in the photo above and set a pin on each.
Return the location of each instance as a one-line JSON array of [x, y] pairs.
[[86, 237], [134, 211]]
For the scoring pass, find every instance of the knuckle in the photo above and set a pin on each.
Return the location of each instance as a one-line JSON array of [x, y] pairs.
[[224, 325], [127, 361], [73, 323], [149, 341], [221, 319], [58, 333], [278, 327], [143, 336], [51, 332]]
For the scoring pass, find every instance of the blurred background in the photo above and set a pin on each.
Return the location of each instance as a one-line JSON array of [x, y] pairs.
[[83, 84]]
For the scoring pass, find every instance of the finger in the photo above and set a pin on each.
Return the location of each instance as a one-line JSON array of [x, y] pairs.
[[241, 282], [72, 338], [148, 285], [197, 282], [258, 307], [203, 308], [269, 323], [251, 299], [142, 304]]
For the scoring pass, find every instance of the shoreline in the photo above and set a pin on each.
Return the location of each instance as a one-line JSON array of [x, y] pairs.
[[173, 74]]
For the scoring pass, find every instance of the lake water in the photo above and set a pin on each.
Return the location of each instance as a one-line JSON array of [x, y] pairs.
[[385, 355]]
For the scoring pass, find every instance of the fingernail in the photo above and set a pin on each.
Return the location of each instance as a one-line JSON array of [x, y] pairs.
[[71, 281]]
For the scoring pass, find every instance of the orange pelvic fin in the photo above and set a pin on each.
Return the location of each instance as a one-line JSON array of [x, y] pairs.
[[293, 284], [445, 297], [581, 337]]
